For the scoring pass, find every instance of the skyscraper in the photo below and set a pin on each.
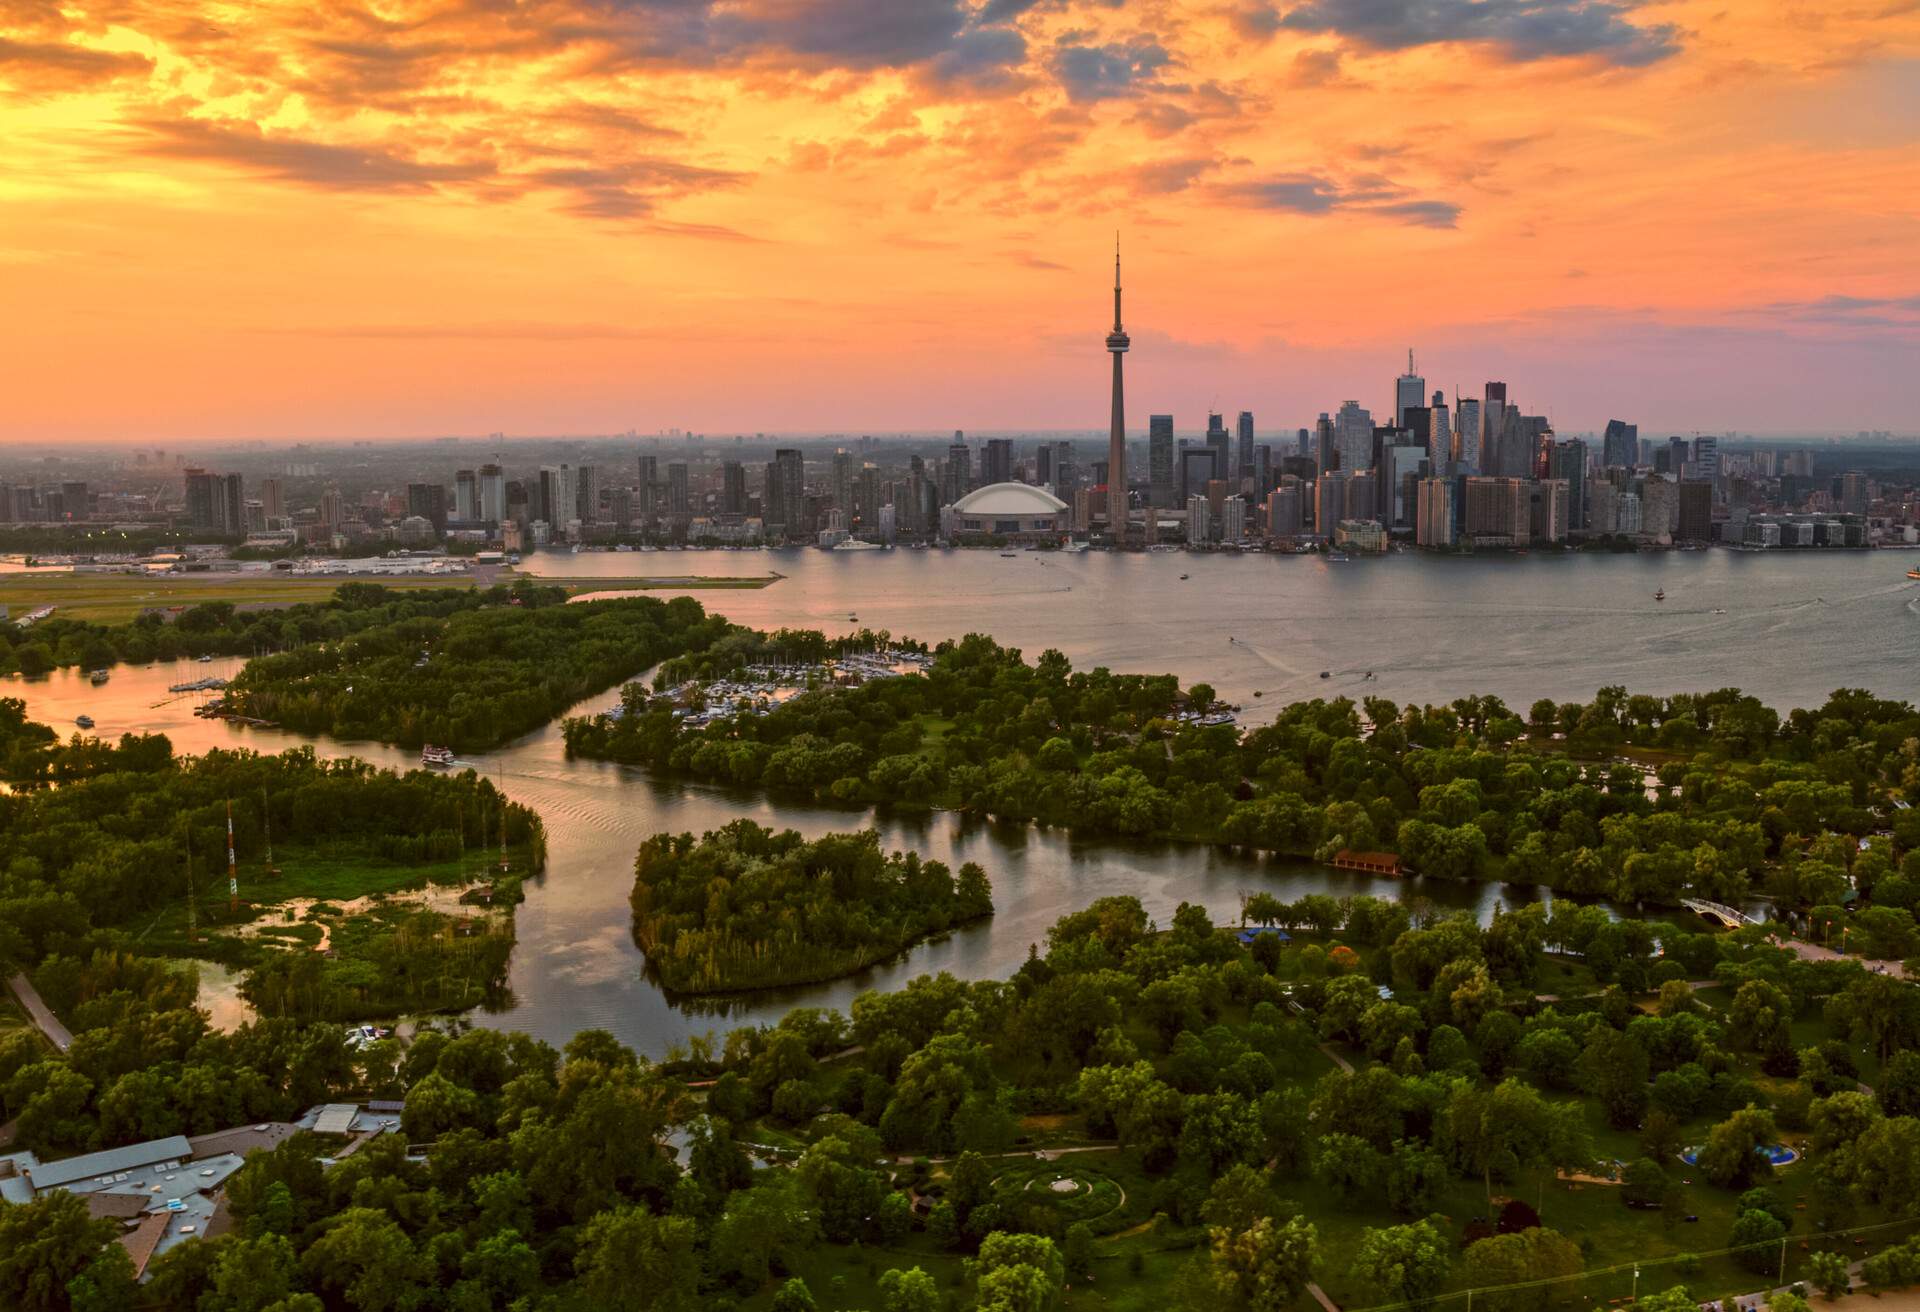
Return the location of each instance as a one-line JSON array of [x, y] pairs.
[[1243, 453], [733, 488], [1440, 451], [1409, 390], [998, 465], [429, 502], [466, 497], [586, 493], [1160, 471], [957, 475], [1493, 431], [1117, 344], [493, 494], [1353, 437], [1621, 445], [1466, 438]]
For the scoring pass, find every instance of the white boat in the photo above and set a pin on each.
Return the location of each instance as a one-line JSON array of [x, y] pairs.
[[84, 721], [855, 544], [440, 756], [98, 677], [1661, 595], [206, 660]]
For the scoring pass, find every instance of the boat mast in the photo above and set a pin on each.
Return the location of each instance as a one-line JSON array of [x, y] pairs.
[[193, 928], [233, 871]]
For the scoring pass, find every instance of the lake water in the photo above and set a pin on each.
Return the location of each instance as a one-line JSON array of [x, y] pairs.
[[1430, 629]]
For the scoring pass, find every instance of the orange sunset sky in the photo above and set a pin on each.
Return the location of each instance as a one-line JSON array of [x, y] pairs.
[[412, 217]]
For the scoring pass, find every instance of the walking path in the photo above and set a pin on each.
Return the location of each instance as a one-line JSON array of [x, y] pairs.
[[41, 1014], [1336, 1058], [1320, 1297], [1814, 952]]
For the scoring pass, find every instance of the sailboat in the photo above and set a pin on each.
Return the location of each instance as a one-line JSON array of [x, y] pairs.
[[1661, 595]]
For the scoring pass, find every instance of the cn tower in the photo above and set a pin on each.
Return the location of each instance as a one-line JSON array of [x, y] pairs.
[[1117, 343]]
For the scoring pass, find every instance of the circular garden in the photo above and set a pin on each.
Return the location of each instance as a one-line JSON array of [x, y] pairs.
[[1069, 1190]]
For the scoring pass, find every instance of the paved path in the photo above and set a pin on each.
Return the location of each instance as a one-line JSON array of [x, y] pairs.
[[1814, 952], [1320, 1297], [40, 1012], [1336, 1058]]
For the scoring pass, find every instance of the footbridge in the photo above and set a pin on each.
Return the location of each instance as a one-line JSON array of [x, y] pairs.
[[1729, 917]]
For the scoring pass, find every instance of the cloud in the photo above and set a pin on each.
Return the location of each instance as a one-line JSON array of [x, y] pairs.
[[982, 59], [1317, 68], [1878, 313], [1315, 194], [314, 163], [1166, 176], [1524, 29], [1107, 72], [630, 189], [59, 65]]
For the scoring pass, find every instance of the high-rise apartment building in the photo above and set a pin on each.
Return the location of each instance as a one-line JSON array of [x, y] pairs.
[[1353, 437], [1440, 449], [273, 501], [1567, 461], [679, 491], [958, 472], [1499, 511], [1693, 511], [733, 488], [1243, 453], [466, 496], [217, 502], [1433, 513], [586, 494], [1549, 510], [493, 494], [1284, 511]]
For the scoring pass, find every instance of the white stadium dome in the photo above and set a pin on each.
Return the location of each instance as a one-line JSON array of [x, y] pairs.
[[1009, 499]]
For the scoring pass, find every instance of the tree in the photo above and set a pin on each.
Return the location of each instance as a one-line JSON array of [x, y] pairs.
[[793, 1296], [1403, 1263], [1643, 1183], [632, 1261], [1756, 1237], [1829, 1273], [45, 1244], [1731, 1157], [367, 1260], [1613, 1068], [1265, 1267], [1019, 1273], [1536, 1254], [1078, 1250], [1348, 1166], [911, 1290], [1416, 1179]]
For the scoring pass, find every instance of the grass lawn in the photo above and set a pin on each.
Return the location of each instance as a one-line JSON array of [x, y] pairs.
[[119, 598], [327, 876]]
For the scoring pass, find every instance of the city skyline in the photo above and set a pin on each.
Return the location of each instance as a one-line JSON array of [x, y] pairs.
[[819, 216]]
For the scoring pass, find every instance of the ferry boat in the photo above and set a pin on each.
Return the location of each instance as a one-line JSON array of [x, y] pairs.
[[84, 721], [98, 677], [431, 755]]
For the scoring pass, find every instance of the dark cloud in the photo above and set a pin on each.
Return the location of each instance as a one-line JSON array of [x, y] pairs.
[[1107, 72], [36, 65], [1839, 311], [981, 59], [1525, 29], [1313, 193], [289, 159], [628, 190], [1424, 213], [1166, 176], [1317, 68], [1256, 21]]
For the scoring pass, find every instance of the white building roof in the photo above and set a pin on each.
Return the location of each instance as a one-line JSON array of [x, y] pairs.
[[1009, 499], [48, 1175], [336, 1118]]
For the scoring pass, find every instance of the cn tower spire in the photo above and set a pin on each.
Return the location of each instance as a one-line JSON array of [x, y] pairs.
[[1117, 344]]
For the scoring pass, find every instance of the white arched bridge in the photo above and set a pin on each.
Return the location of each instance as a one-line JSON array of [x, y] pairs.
[[1730, 917]]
